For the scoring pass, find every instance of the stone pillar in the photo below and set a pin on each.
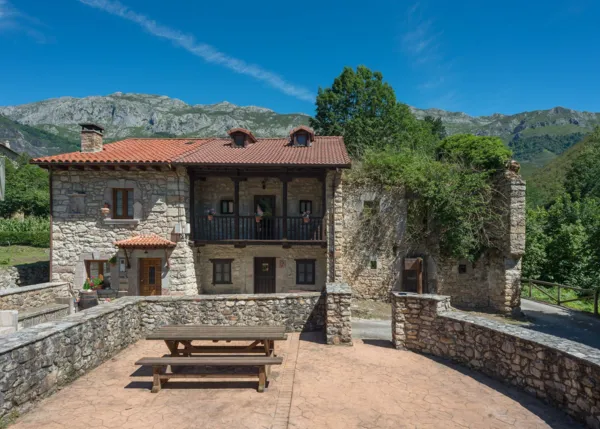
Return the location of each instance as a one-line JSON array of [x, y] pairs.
[[338, 325], [413, 319], [335, 226]]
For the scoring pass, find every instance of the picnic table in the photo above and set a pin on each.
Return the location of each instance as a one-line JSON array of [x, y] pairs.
[[260, 340]]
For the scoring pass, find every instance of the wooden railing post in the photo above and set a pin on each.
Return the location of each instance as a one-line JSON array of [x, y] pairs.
[[285, 180], [530, 286], [558, 294], [596, 295]]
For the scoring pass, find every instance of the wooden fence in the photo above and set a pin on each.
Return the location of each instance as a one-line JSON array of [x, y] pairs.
[[586, 293]]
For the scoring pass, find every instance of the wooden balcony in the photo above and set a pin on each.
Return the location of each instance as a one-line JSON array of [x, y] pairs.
[[269, 230]]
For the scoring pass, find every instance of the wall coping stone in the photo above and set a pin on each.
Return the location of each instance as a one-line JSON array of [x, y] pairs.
[[24, 289], [28, 314], [568, 347], [423, 296], [44, 330], [338, 288]]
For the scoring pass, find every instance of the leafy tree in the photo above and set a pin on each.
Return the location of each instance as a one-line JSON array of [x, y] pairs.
[[362, 107], [483, 153], [437, 126], [27, 189], [583, 178]]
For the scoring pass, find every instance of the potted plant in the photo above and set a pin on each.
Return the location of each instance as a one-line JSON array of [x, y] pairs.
[[306, 216], [258, 216], [210, 213], [105, 210], [113, 260]]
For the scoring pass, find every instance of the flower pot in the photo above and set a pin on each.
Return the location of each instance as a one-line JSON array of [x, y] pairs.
[[105, 211], [210, 217], [258, 218], [306, 219]]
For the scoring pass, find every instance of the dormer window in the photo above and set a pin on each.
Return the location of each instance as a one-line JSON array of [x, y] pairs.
[[241, 137], [302, 136], [239, 140]]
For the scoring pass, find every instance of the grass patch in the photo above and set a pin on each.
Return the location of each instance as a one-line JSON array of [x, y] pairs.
[[17, 255], [367, 309], [586, 305]]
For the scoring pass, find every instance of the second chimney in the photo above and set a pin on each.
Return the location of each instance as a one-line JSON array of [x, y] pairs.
[[91, 137]]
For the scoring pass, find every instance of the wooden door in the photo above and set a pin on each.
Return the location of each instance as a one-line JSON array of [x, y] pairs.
[[150, 276], [264, 275], [266, 229]]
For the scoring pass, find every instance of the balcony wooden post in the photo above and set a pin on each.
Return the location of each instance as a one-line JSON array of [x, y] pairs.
[[285, 180], [192, 200], [323, 204], [236, 208]]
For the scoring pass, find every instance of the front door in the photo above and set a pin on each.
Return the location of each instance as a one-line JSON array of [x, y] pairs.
[[264, 275], [150, 276], [266, 228]]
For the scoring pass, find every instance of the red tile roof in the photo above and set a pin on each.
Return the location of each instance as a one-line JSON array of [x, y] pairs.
[[144, 242], [325, 151]]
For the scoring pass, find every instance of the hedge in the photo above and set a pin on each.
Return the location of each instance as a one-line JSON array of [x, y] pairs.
[[35, 239]]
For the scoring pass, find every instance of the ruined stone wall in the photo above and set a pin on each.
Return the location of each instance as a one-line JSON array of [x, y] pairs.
[[375, 248], [338, 327], [80, 232], [561, 372], [242, 267], [34, 296], [24, 275]]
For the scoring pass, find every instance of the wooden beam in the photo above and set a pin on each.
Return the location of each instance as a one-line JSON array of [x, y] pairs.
[[192, 203], [236, 209], [285, 208]]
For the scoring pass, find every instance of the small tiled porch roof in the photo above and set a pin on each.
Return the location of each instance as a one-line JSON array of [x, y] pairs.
[[151, 241]]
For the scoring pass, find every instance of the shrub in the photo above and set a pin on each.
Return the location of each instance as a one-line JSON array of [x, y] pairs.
[[481, 153]]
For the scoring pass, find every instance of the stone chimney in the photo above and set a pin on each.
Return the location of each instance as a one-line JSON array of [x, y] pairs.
[[91, 137]]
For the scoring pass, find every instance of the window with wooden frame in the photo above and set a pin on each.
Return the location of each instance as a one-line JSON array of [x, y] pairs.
[[239, 139], [305, 271], [122, 203], [226, 207], [301, 139], [221, 271], [306, 206]]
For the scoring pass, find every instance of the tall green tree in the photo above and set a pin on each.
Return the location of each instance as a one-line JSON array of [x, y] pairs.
[[363, 108], [583, 178], [437, 126], [27, 189]]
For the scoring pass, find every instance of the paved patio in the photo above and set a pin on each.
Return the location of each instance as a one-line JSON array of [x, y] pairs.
[[367, 386]]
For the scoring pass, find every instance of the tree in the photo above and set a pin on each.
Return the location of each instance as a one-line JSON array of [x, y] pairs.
[[362, 107], [437, 127], [27, 189], [483, 153], [583, 178]]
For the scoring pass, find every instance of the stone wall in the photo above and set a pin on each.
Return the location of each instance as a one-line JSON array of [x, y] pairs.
[[81, 233], [36, 361], [242, 267], [43, 314], [24, 275], [376, 245], [338, 329], [561, 372], [35, 296]]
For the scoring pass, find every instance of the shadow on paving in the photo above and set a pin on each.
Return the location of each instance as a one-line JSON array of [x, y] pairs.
[[553, 417], [561, 322]]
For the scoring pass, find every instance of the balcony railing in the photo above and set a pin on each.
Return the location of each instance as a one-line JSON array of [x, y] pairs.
[[222, 228]]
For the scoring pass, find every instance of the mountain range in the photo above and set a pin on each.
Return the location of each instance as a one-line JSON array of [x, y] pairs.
[[51, 126]]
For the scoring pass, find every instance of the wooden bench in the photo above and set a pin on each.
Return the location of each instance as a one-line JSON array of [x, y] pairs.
[[159, 367]]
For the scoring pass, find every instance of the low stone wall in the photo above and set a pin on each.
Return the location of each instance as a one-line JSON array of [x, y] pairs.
[[42, 315], [339, 324], [28, 297], [296, 311], [562, 372], [36, 361], [24, 275]]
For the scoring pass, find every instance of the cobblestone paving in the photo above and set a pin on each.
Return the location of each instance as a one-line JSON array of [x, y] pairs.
[[367, 386]]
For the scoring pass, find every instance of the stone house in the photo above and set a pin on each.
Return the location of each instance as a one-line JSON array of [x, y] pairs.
[[246, 215], [198, 215]]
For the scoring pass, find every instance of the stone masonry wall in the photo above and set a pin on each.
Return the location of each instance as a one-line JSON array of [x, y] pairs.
[[338, 328], [28, 297], [242, 267], [81, 233], [375, 246], [24, 275], [561, 372], [36, 361]]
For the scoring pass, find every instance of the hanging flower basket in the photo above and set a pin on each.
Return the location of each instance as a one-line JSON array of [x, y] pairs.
[[210, 217], [105, 210], [258, 218], [210, 213], [306, 217]]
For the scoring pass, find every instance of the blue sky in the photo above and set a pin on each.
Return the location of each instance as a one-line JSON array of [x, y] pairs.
[[479, 57]]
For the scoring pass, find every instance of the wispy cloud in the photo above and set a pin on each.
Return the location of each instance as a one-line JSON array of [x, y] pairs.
[[207, 52], [12, 19], [422, 42]]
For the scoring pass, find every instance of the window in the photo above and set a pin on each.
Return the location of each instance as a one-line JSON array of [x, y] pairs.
[[95, 269], [122, 203], [226, 206], [305, 271], [221, 271], [301, 139], [373, 264], [370, 208], [239, 139], [462, 269], [305, 206]]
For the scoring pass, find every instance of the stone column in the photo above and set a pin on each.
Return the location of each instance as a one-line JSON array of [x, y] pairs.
[[335, 226], [338, 324]]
